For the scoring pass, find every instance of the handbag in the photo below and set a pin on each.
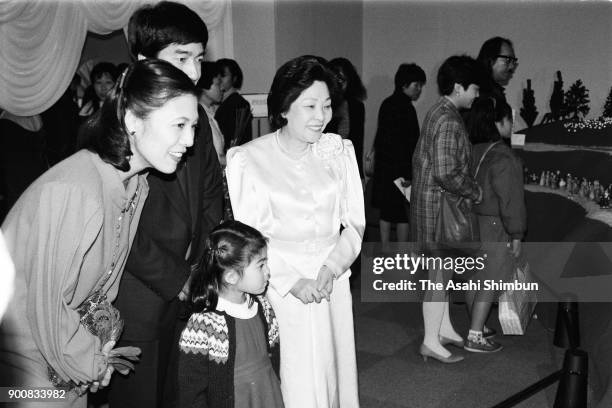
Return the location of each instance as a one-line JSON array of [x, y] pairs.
[[516, 306], [456, 223], [103, 320]]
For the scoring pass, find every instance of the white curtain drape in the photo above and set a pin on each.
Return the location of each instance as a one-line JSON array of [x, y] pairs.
[[41, 43]]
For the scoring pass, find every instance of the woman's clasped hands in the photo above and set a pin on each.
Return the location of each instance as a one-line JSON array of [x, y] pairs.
[[315, 290]]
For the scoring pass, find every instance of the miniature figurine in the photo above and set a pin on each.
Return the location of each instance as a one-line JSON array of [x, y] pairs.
[[604, 202]]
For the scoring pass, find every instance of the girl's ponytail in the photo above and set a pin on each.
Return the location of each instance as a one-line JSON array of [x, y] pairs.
[[230, 246], [206, 282]]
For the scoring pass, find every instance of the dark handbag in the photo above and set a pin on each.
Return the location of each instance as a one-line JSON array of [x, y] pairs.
[[456, 223], [104, 321]]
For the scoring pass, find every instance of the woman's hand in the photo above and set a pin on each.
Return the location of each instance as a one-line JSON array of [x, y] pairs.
[[325, 282], [184, 293], [306, 290], [104, 376], [515, 248]]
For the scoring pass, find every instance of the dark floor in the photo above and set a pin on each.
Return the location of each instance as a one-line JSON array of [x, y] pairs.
[[392, 374]]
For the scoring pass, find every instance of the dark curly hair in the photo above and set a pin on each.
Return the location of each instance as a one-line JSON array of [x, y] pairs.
[[292, 79]]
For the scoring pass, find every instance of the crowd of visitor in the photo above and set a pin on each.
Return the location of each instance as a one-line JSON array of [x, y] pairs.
[[211, 268]]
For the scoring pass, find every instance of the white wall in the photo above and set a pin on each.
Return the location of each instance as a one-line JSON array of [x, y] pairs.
[[575, 38], [325, 28], [254, 43], [268, 33]]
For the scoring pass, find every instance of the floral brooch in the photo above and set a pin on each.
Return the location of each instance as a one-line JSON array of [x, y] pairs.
[[328, 146]]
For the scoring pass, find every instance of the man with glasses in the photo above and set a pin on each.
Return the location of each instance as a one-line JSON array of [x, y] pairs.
[[497, 57]]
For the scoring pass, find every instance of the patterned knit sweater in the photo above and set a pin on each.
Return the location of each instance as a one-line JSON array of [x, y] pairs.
[[207, 355]]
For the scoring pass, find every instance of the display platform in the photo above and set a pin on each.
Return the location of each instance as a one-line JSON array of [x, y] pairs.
[[555, 133], [554, 217]]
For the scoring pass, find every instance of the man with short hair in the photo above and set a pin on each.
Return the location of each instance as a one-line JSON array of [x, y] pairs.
[[179, 213]]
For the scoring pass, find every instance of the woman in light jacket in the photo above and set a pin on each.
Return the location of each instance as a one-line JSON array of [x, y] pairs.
[[71, 231], [301, 189]]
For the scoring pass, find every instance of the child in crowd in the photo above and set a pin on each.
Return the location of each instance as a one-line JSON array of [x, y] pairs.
[[230, 347], [501, 213], [234, 113], [103, 77]]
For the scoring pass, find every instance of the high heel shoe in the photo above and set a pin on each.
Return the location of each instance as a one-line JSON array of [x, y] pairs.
[[457, 343], [427, 352]]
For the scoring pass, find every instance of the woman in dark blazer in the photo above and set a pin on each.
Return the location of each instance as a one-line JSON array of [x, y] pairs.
[[234, 114], [396, 138]]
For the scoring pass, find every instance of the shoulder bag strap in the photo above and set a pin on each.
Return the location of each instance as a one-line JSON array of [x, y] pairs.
[[483, 156]]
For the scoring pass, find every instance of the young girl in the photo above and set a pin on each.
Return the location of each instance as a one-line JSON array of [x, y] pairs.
[[501, 213], [103, 77], [230, 347]]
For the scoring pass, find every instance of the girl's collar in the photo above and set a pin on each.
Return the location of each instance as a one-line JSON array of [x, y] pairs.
[[237, 310]]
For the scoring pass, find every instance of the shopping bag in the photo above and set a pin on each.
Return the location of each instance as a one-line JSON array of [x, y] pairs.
[[516, 306]]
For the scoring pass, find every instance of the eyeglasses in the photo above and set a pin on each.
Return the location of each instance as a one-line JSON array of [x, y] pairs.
[[509, 60]]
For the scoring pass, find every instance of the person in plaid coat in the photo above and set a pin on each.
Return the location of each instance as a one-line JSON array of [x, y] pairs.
[[442, 161]]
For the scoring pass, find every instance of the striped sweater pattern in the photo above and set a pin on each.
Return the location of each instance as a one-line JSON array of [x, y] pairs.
[[207, 333]]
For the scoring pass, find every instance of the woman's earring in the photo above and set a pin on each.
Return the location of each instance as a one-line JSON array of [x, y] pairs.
[[132, 133]]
